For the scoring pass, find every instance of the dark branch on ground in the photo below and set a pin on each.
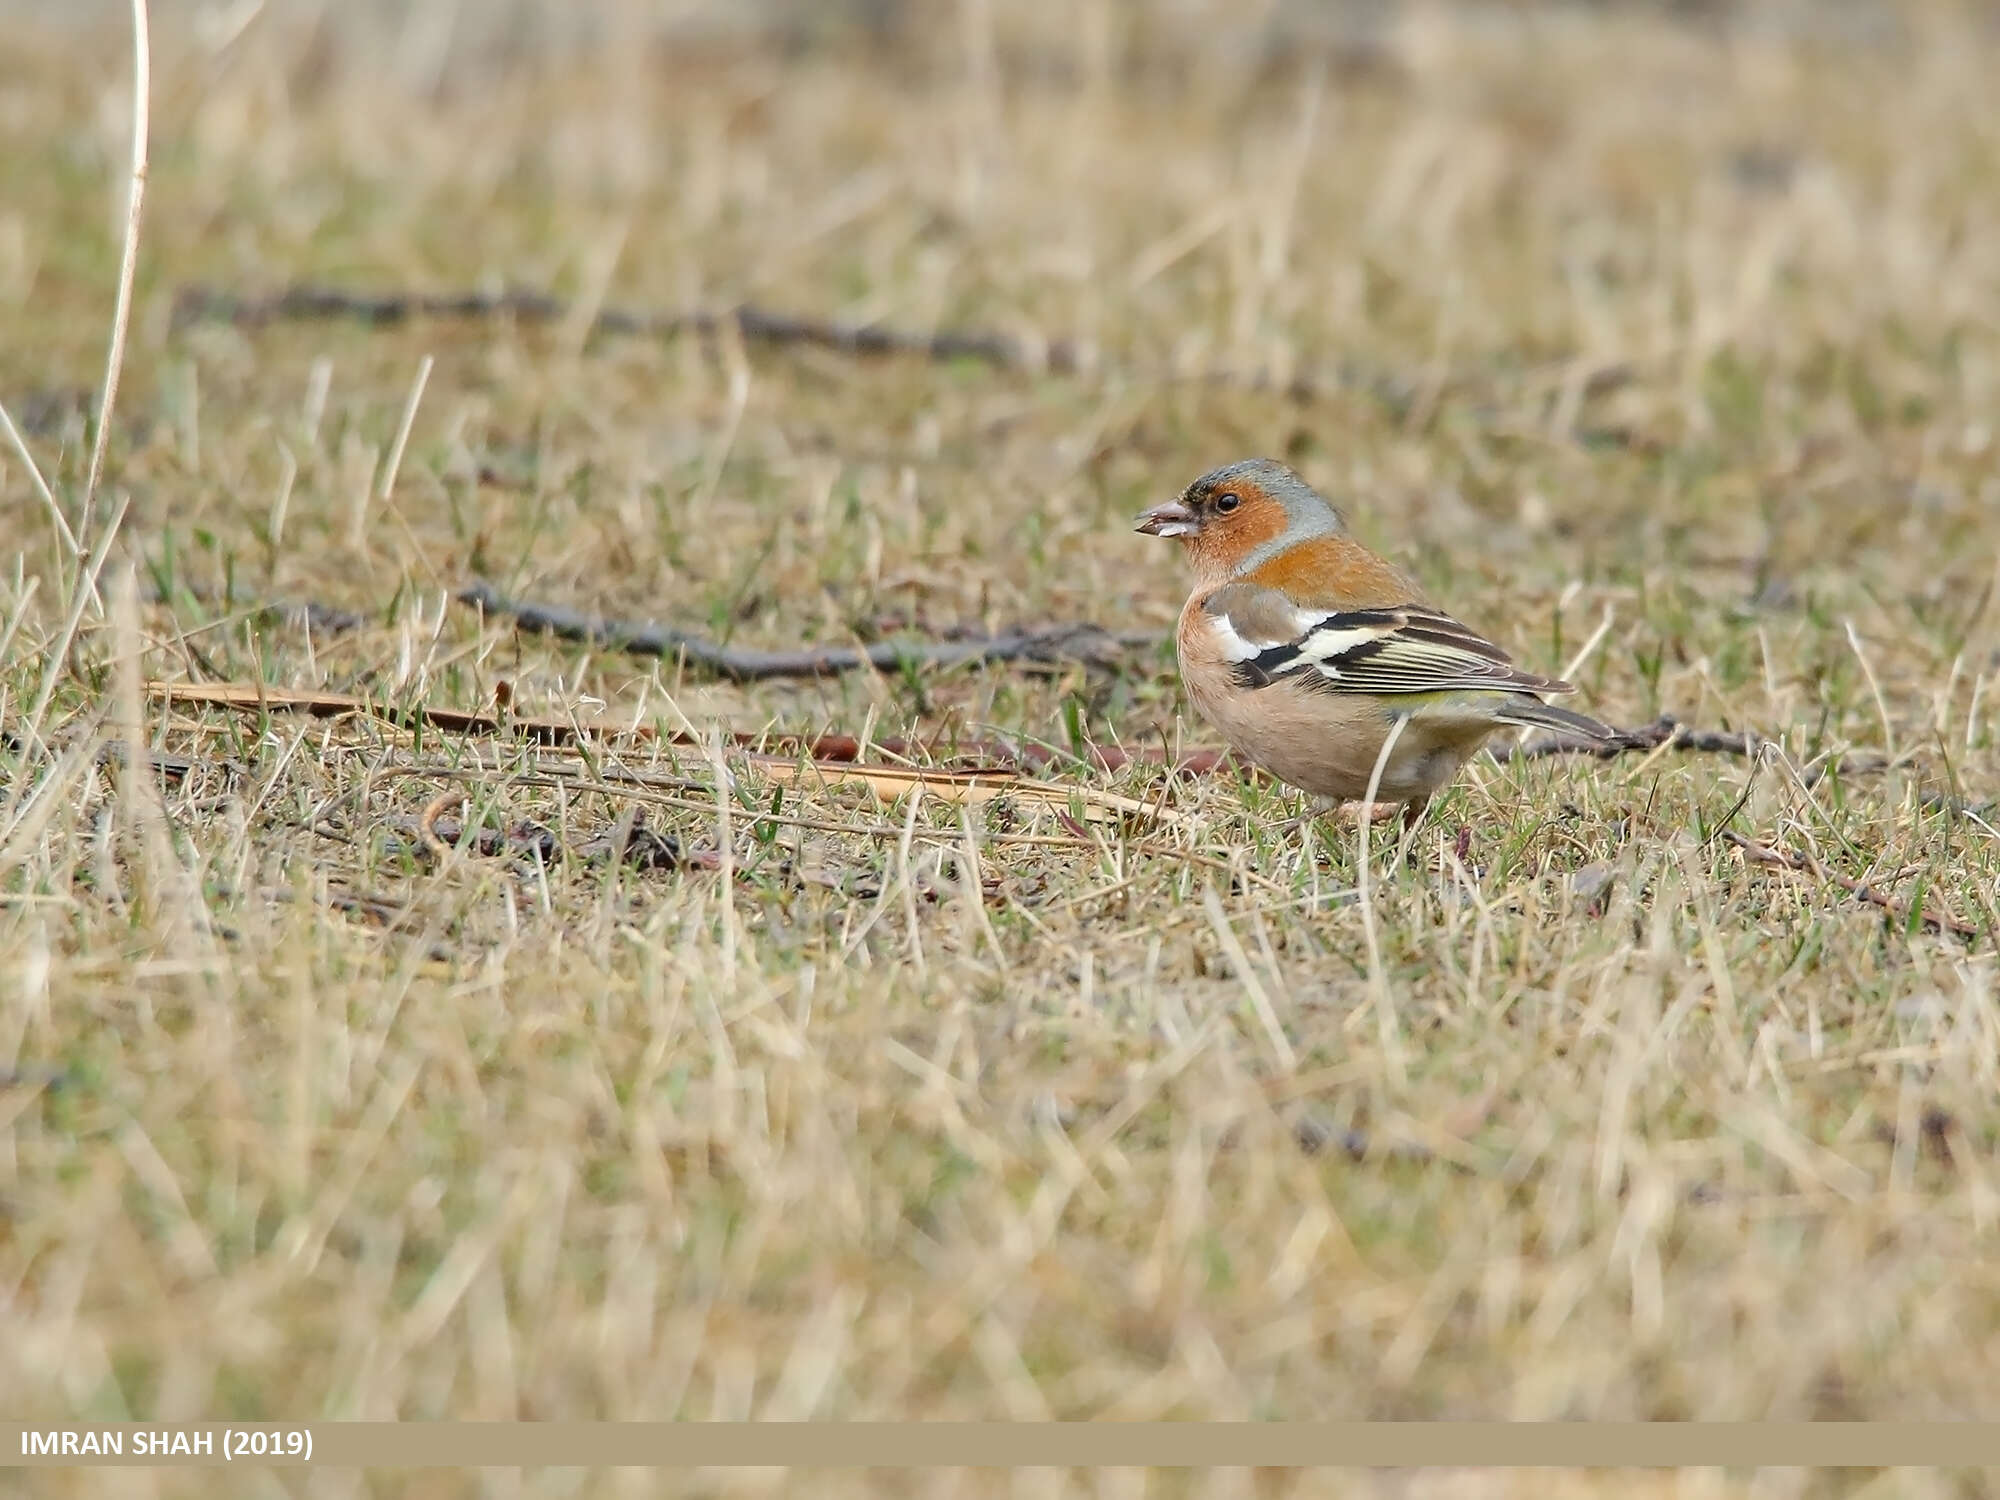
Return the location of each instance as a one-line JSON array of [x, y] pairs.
[[311, 303], [1086, 643], [1665, 730], [1670, 732], [308, 302]]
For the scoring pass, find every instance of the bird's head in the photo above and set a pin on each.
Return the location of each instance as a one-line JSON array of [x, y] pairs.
[[1235, 518]]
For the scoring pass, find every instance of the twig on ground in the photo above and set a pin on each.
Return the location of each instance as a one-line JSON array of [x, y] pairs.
[[1399, 394], [1087, 643], [309, 302], [1662, 731], [305, 614], [1806, 864], [306, 301]]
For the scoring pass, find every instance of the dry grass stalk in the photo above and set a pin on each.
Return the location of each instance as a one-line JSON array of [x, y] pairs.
[[128, 254]]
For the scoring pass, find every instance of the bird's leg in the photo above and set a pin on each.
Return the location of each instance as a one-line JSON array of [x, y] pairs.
[[1373, 812], [1314, 807]]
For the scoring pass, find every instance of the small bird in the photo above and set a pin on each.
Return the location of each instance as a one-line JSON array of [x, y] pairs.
[[1304, 649]]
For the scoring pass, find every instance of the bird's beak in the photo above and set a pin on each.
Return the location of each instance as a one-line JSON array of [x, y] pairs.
[[1171, 519]]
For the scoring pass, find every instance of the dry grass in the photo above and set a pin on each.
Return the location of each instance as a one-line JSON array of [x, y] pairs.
[[929, 1110]]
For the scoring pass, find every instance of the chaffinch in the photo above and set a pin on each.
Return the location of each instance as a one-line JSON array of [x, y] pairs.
[[1303, 648]]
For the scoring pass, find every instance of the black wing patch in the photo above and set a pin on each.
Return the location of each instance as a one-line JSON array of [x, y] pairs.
[[1391, 651]]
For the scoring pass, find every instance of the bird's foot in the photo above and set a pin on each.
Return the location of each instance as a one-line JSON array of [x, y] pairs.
[[1370, 812]]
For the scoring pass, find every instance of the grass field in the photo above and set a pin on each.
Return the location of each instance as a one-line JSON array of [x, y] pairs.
[[1663, 346]]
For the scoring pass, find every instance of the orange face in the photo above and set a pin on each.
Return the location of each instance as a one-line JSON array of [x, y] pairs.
[[1229, 520], [1218, 522]]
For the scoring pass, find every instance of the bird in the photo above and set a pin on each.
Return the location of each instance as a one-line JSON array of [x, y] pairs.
[[1305, 650]]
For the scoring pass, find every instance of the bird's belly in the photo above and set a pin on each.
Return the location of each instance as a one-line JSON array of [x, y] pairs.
[[1328, 745]]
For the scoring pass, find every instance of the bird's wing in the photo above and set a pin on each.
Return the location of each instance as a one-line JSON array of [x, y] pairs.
[[1405, 649]]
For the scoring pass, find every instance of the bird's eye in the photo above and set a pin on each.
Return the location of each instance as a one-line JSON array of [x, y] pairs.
[[1227, 501]]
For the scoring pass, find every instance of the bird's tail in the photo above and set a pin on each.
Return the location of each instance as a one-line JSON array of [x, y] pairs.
[[1533, 713]]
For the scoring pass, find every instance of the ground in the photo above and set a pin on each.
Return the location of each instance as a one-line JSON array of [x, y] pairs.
[[1660, 343]]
